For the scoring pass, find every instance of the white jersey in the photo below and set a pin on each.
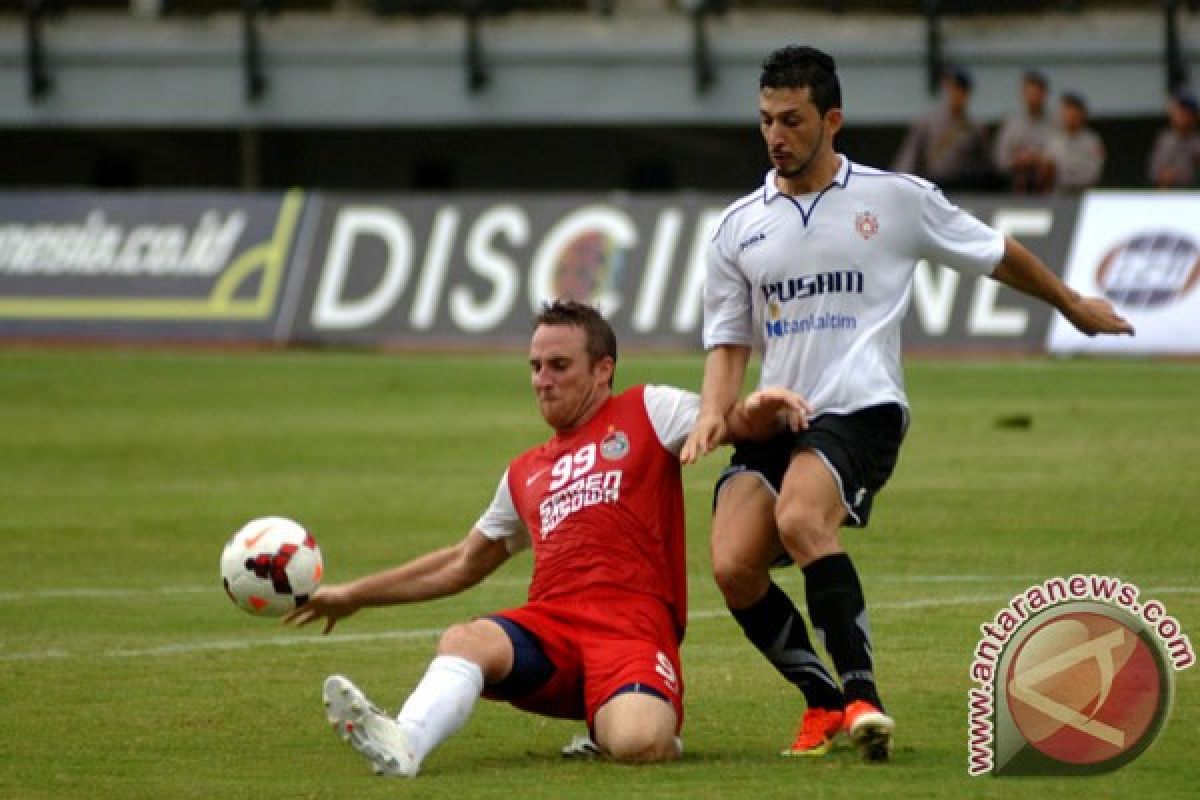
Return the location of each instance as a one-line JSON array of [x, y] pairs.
[[823, 280], [672, 414]]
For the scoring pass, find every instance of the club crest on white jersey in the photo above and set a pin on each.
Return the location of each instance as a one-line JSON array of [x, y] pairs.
[[866, 223]]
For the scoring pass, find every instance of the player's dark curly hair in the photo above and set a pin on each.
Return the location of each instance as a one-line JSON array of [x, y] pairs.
[[798, 67], [601, 341]]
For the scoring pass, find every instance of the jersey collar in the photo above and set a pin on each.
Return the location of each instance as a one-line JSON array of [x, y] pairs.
[[771, 191]]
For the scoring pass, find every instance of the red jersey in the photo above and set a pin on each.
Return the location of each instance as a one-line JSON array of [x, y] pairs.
[[603, 504]]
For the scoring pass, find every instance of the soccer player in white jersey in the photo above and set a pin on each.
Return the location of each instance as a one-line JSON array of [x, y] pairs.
[[601, 504], [817, 264]]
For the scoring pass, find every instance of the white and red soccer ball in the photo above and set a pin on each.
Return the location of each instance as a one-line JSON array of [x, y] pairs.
[[271, 566]]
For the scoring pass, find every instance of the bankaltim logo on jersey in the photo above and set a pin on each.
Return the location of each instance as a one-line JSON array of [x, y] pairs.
[[779, 293], [575, 486]]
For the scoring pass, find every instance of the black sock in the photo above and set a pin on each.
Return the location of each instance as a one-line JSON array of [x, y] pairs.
[[839, 615], [776, 628]]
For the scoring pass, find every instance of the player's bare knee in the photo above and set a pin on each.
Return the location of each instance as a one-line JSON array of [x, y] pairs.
[[799, 523], [806, 533], [458, 640], [641, 746], [636, 728], [479, 641], [741, 584], [643, 752]]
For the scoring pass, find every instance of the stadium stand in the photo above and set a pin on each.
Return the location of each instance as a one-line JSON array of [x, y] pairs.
[[248, 80]]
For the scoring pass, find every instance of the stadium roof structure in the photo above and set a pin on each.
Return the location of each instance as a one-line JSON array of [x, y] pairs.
[[648, 64]]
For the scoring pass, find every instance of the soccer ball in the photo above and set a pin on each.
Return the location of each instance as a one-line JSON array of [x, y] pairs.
[[271, 566]]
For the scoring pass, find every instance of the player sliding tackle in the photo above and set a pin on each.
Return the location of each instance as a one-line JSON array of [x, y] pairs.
[[601, 503]]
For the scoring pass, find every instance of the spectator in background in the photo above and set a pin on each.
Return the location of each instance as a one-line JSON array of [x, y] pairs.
[[946, 146], [1076, 154], [1175, 160], [1020, 153]]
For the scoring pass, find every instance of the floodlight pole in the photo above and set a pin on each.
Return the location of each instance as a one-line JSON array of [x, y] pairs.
[[40, 82]]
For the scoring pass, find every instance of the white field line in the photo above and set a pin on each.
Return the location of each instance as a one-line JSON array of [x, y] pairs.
[[785, 577], [100, 594], [216, 645], [96, 593], [897, 605]]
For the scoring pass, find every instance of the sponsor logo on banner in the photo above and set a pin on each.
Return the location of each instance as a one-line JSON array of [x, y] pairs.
[[1150, 270], [1141, 250], [143, 257]]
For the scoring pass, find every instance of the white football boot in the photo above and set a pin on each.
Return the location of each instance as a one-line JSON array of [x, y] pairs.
[[581, 746], [378, 737]]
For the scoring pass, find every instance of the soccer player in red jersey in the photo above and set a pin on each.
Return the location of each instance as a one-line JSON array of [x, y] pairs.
[[601, 504]]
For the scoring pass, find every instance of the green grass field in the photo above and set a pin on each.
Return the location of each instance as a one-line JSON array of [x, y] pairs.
[[126, 673]]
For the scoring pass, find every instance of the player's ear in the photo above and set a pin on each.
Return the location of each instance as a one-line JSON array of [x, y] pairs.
[[604, 369], [833, 121]]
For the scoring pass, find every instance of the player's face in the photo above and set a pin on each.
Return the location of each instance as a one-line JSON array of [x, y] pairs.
[[569, 388], [795, 132]]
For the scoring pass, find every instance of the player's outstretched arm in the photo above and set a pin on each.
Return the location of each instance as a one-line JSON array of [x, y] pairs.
[[724, 370], [766, 412], [1025, 272], [436, 574]]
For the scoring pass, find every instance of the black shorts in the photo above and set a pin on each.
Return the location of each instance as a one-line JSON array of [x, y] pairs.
[[860, 449]]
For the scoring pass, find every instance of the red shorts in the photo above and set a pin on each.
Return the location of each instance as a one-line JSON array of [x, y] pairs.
[[598, 647]]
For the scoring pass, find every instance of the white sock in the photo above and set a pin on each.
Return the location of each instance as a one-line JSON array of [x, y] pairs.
[[441, 703]]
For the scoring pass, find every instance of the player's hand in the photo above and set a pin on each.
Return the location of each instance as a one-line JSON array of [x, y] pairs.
[[764, 409], [329, 603], [707, 436], [1093, 315]]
